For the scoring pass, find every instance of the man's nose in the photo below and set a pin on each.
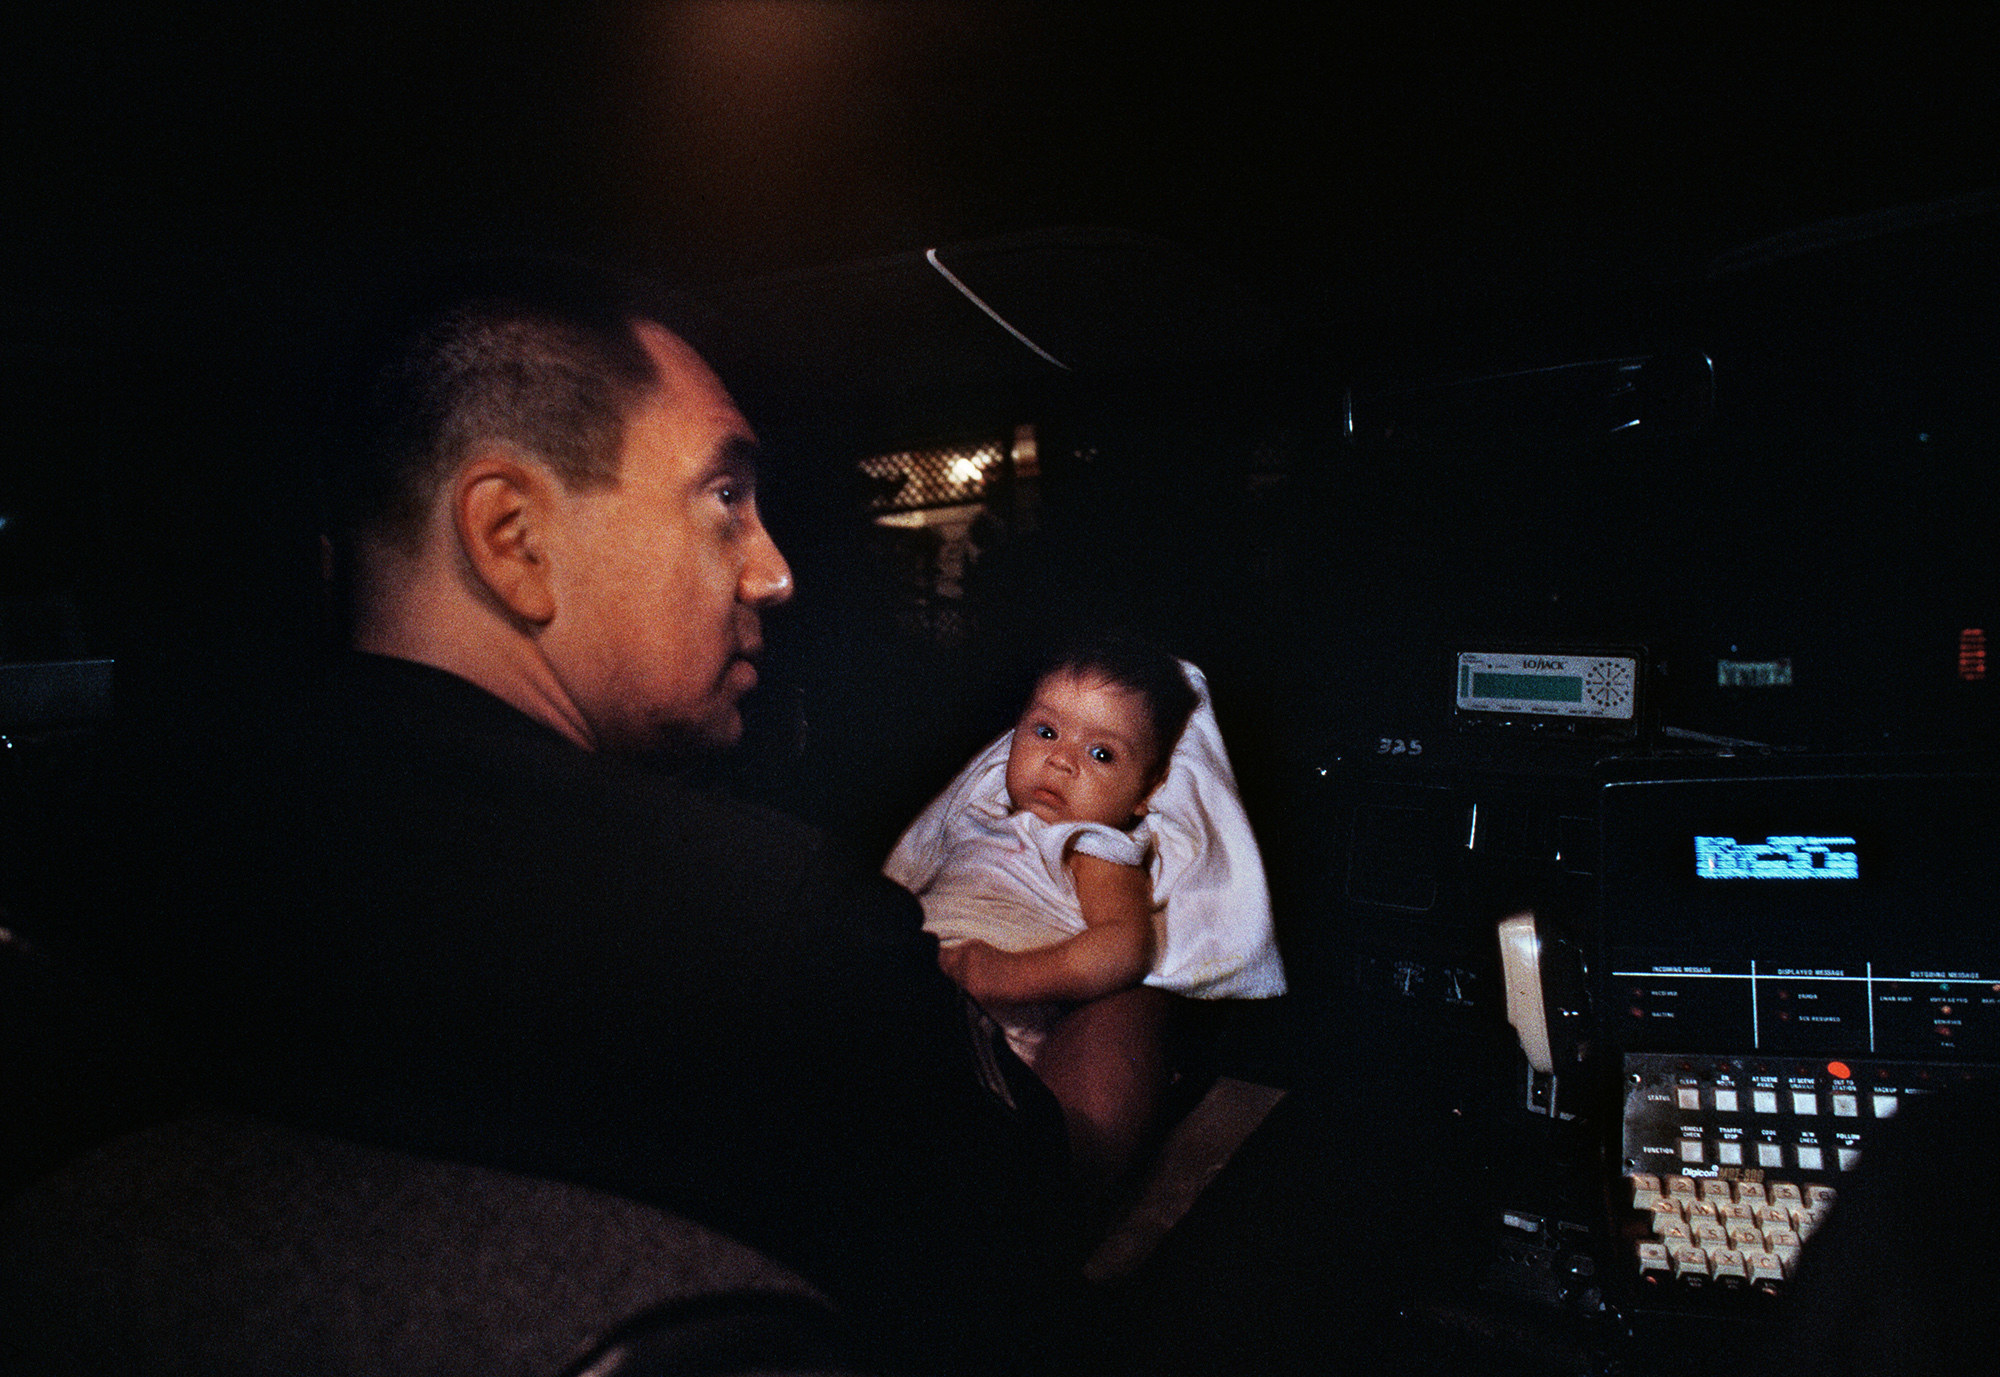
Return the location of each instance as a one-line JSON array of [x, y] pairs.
[[767, 578]]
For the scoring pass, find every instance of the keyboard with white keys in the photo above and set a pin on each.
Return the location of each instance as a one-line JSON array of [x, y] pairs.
[[1734, 1235], [1731, 1162]]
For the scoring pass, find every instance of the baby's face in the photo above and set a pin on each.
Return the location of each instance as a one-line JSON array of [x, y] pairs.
[[1082, 752]]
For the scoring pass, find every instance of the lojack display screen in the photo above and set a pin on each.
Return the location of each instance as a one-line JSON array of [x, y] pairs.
[[1529, 685]]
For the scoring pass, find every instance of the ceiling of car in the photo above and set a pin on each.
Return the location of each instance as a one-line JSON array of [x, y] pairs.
[[212, 181], [982, 322]]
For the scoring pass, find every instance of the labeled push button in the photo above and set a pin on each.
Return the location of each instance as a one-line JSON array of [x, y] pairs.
[[1690, 1263], [1725, 1265], [1784, 1244]]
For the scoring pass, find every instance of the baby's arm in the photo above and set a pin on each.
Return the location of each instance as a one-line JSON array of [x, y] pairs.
[[1113, 952]]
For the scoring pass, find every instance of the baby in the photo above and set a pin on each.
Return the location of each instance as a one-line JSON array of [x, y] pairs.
[[1098, 846]]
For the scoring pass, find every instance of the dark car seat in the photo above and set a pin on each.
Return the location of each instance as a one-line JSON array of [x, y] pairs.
[[140, 1235], [219, 1245]]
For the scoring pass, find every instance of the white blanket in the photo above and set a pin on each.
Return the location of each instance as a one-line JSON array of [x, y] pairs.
[[983, 870]]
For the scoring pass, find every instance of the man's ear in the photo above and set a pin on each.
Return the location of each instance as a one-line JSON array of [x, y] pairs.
[[502, 508]]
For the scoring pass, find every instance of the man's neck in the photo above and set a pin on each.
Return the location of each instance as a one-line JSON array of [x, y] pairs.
[[448, 630]]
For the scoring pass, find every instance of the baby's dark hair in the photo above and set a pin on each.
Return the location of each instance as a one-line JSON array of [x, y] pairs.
[[1139, 665]]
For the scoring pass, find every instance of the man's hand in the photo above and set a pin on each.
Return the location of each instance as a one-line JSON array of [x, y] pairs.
[[987, 973]]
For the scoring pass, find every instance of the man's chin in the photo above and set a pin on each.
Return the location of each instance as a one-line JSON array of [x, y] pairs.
[[720, 732], [679, 744]]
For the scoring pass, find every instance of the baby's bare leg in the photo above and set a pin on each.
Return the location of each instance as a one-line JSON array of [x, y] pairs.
[[1106, 1063]]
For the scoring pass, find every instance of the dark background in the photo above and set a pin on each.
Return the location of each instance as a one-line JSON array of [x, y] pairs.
[[180, 175], [197, 195]]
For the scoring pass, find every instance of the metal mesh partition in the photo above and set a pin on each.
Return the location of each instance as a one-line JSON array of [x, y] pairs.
[[912, 480]]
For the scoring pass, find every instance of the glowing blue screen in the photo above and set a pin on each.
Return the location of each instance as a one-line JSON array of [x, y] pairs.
[[1776, 858]]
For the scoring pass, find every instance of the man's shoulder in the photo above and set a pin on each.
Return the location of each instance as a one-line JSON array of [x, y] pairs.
[[377, 745]]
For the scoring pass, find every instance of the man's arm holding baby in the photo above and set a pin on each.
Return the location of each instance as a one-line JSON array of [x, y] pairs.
[[1113, 952]]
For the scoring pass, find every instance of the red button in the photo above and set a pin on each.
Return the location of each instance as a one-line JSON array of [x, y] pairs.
[[1838, 1070]]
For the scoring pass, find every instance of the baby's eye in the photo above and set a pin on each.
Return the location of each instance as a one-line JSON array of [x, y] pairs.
[[1102, 755], [1045, 731]]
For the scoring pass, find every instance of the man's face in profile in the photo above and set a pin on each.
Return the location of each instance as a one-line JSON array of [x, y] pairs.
[[661, 577]]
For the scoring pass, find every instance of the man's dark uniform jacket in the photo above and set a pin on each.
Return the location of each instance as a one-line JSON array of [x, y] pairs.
[[408, 914]]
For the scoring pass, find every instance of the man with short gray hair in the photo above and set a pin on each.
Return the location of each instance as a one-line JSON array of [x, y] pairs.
[[457, 902]]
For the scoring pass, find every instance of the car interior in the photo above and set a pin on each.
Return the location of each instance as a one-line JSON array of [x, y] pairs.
[[1612, 703], [1621, 895]]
